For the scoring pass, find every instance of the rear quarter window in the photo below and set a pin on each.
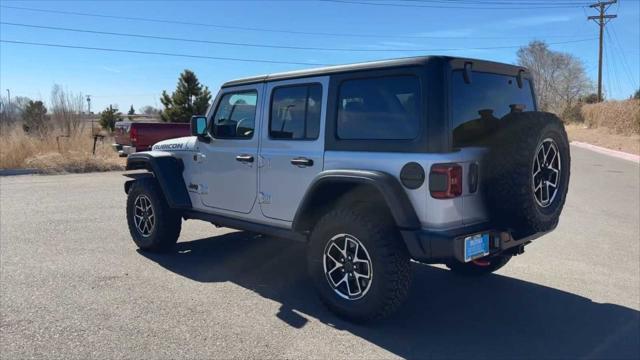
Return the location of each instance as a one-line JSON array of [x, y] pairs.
[[477, 107], [383, 108]]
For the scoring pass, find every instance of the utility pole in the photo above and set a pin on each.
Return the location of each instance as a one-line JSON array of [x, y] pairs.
[[602, 19], [8, 107], [89, 111]]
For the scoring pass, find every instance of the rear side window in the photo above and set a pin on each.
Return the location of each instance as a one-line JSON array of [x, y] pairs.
[[477, 107], [295, 112], [235, 116], [384, 108]]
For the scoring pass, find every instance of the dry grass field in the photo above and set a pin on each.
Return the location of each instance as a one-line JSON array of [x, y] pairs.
[[610, 124], [56, 154], [621, 117], [604, 137]]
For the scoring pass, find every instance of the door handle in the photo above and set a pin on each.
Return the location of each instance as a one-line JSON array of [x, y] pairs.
[[245, 158], [301, 162]]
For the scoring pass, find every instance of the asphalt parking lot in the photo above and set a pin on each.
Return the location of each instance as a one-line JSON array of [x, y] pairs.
[[73, 285]]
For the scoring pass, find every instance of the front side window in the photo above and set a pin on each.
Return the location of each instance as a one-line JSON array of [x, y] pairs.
[[477, 107], [295, 112], [235, 116], [384, 108]]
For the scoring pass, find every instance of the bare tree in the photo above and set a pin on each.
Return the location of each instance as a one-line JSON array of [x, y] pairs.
[[11, 111], [149, 110], [67, 110], [560, 79]]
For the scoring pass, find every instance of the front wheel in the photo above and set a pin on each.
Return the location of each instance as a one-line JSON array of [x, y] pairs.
[[358, 264], [153, 225]]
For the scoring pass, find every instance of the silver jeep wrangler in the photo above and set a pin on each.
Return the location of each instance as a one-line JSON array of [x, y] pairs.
[[432, 159]]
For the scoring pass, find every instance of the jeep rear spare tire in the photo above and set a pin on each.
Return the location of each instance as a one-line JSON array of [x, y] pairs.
[[527, 173]]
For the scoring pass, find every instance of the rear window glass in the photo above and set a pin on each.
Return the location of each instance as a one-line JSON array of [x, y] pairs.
[[477, 107], [385, 108], [295, 112]]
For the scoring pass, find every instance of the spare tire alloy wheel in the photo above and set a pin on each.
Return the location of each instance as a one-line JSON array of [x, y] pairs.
[[144, 217], [347, 267], [546, 170]]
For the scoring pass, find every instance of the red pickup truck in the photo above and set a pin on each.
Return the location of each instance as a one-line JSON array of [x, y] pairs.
[[131, 137]]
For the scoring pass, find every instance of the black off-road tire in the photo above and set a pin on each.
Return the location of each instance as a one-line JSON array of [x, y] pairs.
[[167, 223], [473, 269], [389, 260], [508, 172]]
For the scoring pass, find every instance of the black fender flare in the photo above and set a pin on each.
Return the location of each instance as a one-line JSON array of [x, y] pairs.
[[167, 169], [389, 187]]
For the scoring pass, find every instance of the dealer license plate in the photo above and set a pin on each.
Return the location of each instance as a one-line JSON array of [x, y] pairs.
[[476, 246]]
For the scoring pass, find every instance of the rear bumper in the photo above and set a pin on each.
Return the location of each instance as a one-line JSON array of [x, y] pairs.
[[439, 247], [123, 150]]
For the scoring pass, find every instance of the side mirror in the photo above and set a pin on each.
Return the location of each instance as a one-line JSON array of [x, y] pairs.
[[199, 126]]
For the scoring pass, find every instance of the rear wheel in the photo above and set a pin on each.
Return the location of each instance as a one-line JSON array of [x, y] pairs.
[[152, 224], [480, 266], [358, 264]]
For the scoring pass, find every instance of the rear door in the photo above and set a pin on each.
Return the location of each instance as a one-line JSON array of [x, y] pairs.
[[292, 146]]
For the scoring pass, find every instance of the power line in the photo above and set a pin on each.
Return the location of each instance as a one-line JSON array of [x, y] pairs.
[[158, 53], [230, 43], [619, 62], [250, 60], [613, 67], [627, 68], [232, 27], [515, 6]]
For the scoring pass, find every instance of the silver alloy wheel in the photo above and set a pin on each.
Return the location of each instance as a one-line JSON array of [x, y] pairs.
[[143, 215], [546, 171], [347, 266]]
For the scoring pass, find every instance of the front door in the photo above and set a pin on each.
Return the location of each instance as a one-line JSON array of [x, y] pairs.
[[292, 147], [228, 176]]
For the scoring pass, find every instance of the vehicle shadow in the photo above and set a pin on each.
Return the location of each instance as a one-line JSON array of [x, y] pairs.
[[445, 316]]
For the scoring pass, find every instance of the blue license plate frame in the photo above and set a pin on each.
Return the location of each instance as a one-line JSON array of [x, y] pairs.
[[476, 246]]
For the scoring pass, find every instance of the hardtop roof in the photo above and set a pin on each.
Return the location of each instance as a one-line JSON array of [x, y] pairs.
[[373, 65]]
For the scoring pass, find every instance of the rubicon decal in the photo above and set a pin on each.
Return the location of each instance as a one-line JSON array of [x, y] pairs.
[[177, 146]]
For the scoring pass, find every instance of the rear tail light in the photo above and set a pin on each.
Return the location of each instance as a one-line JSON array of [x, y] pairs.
[[133, 135], [445, 181]]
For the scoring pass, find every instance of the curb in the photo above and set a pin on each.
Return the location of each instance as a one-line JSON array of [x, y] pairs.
[[14, 172], [605, 151]]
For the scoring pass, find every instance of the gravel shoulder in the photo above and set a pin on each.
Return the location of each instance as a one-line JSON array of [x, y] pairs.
[[605, 138]]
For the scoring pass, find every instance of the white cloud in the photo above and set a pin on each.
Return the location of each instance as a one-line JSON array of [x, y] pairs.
[[538, 20]]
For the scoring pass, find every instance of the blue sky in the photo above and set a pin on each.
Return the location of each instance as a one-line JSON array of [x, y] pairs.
[[124, 79]]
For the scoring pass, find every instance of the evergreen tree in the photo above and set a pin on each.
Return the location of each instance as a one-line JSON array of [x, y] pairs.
[[109, 117], [131, 112], [190, 98], [35, 118]]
